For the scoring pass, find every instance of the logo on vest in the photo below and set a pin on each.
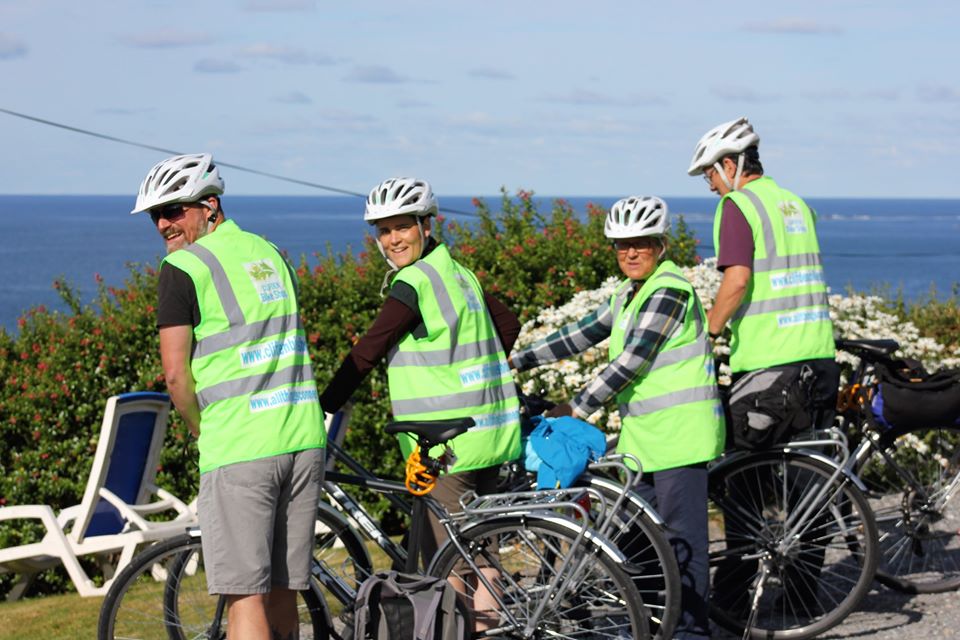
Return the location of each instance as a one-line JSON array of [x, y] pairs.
[[263, 274], [796, 279], [792, 217], [481, 373], [473, 303], [283, 397], [802, 316], [272, 350]]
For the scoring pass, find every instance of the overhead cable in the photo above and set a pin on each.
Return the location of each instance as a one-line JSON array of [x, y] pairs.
[[237, 167]]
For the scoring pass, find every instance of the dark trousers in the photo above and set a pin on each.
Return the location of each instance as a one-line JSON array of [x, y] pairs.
[[680, 497]]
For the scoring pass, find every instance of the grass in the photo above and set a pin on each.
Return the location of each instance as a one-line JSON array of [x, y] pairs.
[[66, 616]]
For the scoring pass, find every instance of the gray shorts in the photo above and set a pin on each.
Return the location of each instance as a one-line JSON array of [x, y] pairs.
[[258, 521]]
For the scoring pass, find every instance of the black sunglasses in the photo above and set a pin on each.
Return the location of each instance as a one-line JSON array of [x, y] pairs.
[[171, 212]]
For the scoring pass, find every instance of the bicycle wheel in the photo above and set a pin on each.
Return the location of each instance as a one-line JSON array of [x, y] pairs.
[[342, 560], [522, 557], [163, 595], [797, 547], [641, 538], [913, 488]]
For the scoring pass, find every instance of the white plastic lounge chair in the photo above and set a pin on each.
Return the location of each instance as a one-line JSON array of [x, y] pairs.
[[109, 524]]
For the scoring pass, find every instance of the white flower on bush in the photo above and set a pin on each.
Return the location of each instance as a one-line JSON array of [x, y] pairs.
[[854, 316]]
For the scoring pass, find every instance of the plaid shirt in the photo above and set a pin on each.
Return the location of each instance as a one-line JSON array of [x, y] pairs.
[[660, 318]]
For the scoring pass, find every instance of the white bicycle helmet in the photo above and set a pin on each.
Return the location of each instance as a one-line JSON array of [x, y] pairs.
[[400, 196], [729, 137], [184, 178], [635, 217]]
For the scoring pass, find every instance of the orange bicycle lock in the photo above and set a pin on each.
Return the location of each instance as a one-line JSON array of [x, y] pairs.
[[419, 480]]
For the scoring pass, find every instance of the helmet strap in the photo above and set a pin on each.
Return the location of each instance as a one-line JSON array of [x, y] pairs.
[[423, 238], [736, 176], [718, 167]]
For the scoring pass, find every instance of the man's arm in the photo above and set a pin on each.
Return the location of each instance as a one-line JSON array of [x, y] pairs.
[[176, 342], [735, 259], [732, 289]]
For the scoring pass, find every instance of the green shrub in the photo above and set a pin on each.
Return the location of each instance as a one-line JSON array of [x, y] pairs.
[[60, 368]]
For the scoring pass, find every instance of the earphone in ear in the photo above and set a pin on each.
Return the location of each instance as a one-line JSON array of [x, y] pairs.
[[213, 217]]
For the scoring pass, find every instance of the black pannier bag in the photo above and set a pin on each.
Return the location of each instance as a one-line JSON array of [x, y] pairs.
[[909, 397], [768, 406]]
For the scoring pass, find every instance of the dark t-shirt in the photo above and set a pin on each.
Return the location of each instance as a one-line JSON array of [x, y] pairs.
[[736, 238], [177, 303]]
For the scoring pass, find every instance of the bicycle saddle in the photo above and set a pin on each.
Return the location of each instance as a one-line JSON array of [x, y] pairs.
[[432, 432], [883, 347]]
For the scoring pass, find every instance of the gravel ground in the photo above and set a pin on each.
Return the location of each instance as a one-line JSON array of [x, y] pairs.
[[890, 615]]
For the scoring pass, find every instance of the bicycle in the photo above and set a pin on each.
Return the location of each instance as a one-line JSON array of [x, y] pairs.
[[912, 475], [615, 511], [545, 572], [797, 548]]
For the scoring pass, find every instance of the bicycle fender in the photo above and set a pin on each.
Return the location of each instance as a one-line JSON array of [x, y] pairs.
[[633, 497], [608, 548], [790, 452]]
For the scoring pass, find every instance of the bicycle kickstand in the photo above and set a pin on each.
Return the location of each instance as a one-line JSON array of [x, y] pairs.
[[757, 594]]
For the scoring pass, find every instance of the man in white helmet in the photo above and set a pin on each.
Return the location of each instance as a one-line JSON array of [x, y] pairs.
[[773, 291], [661, 376], [236, 365], [445, 342], [774, 296]]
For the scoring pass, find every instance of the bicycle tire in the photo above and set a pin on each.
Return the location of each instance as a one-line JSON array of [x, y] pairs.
[[917, 508], [818, 575], [642, 539], [602, 602], [339, 552], [162, 594]]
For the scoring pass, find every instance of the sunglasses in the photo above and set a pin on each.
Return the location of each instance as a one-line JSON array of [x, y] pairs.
[[171, 212]]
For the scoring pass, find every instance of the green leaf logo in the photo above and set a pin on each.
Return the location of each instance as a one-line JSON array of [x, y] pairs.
[[260, 271]]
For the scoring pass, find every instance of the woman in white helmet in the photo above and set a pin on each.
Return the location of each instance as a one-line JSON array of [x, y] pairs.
[[445, 342], [661, 376]]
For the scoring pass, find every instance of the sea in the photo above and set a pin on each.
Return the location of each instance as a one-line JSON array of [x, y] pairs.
[[890, 246]]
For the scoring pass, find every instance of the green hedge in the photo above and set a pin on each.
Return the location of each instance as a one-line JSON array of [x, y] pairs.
[[61, 367]]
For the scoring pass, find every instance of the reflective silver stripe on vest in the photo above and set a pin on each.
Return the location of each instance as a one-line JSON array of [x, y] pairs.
[[620, 300], [816, 299], [774, 260], [246, 333], [252, 384], [794, 261], [441, 357], [769, 242], [443, 299], [669, 400], [696, 349], [632, 320], [222, 284], [455, 401]]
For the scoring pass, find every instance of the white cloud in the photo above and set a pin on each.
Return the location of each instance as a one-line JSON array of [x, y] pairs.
[[167, 39], [294, 97], [795, 25], [280, 5], [216, 65], [743, 94], [375, 74], [585, 97], [938, 93], [11, 47], [491, 73], [287, 55]]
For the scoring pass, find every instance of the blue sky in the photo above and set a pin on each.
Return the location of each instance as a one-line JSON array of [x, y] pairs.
[[850, 98]]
